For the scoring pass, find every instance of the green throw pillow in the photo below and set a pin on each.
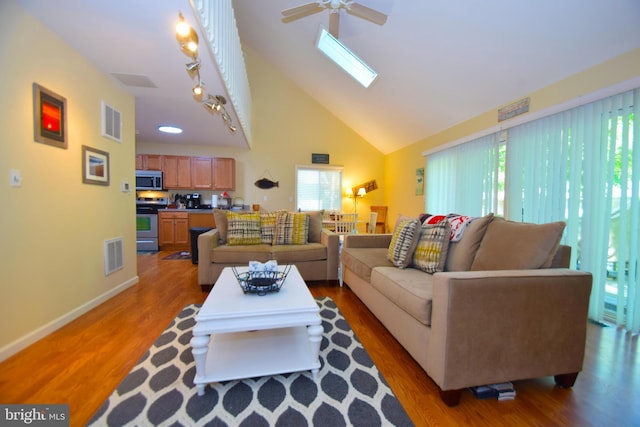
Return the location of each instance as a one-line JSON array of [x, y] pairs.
[[431, 251]]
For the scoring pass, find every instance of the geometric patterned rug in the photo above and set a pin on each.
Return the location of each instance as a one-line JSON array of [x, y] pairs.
[[349, 390]]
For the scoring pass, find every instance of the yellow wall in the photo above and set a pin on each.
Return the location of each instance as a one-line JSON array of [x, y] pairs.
[[54, 226], [288, 126], [400, 166]]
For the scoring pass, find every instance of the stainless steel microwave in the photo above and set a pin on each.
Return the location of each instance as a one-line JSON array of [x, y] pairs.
[[149, 180]]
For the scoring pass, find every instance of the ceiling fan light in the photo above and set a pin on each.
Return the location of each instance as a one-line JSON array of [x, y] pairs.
[[345, 58]]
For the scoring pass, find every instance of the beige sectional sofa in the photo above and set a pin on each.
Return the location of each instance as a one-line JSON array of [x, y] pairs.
[[502, 306], [315, 252]]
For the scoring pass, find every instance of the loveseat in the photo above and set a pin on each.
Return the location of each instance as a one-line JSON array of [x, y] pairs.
[[498, 305], [287, 237]]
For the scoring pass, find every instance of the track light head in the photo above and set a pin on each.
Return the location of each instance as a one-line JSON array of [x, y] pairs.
[[194, 66]]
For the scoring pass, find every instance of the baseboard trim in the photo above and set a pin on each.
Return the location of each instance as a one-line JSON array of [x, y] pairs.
[[36, 335]]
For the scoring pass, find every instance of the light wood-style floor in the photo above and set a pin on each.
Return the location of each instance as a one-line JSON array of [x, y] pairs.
[[83, 362]]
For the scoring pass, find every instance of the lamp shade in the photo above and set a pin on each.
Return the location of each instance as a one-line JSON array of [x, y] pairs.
[[361, 192]]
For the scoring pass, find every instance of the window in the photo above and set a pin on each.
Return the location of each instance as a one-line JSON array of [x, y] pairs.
[[318, 188]]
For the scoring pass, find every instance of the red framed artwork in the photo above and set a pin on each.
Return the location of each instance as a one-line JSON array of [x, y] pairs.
[[49, 117]]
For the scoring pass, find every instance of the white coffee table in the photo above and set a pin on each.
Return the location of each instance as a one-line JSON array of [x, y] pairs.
[[240, 335]]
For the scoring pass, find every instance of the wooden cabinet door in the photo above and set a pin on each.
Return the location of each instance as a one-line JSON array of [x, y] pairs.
[[177, 172], [165, 230], [181, 231], [201, 173], [224, 173], [139, 162], [152, 162]]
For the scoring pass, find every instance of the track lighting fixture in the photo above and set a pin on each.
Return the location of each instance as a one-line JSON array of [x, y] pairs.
[[188, 41]]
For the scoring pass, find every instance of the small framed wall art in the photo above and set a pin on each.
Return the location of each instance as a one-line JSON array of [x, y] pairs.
[[420, 182], [49, 117], [95, 166]]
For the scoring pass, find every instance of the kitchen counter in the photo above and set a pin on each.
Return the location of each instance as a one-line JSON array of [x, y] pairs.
[[207, 211]]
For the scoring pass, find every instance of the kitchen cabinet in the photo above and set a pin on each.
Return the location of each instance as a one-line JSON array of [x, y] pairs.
[[149, 162], [201, 220], [224, 173], [177, 172], [173, 230], [202, 173]]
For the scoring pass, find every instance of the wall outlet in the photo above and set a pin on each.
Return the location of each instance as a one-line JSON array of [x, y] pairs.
[[126, 188]]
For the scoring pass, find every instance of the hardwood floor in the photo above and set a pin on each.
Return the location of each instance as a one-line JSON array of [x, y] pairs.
[[83, 362]]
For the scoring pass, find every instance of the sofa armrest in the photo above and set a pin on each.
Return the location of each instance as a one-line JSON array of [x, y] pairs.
[[206, 242], [367, 240], [496, 326], [332, 241]]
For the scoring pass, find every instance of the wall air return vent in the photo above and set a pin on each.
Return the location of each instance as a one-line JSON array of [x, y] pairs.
[[111, 122], [113, 258]]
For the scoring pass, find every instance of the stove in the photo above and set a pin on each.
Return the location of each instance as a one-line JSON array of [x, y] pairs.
[[147, 222]]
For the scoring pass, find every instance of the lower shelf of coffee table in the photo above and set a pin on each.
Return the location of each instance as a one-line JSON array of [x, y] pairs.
[[258, 353]]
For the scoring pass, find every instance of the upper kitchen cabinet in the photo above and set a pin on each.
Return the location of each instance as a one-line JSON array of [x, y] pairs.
[[224, 173], [177, 172], [149, 162], [202, 173]]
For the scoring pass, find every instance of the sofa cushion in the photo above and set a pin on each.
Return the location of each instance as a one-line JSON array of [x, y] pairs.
[[403, 242], [509, 245], [288, 254], [267, 227], [362, 260], [292, 228], [431, 249], [460, 254], [315, 226], [220, 219], [410, 289], [243, 228], [240, 255]]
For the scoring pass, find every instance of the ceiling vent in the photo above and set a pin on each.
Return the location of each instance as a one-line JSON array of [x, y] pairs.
[[111, 122]]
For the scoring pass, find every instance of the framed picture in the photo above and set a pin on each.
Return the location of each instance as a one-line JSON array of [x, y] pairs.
[[420, 182], [49, 117], [95, 166]]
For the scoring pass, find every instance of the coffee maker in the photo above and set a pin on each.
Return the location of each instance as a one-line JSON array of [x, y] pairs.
[[193, 201]]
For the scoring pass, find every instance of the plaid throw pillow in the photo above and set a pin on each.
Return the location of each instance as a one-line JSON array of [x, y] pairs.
[[267, 227], [431, 250], [243, 229], [292, 228], [403, 242]]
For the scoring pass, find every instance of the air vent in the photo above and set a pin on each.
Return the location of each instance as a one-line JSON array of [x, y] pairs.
[[111, 122], [134, 80], [112, 256]]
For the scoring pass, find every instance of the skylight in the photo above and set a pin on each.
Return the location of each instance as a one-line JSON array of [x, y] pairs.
[[346, 59]]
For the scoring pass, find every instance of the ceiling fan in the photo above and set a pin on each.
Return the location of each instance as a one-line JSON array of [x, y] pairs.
[[334, 6]]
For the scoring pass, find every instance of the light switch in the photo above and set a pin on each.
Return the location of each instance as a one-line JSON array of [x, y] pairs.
[[15, 179]]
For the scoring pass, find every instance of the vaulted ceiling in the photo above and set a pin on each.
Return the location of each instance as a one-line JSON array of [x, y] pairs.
[[439, 62]]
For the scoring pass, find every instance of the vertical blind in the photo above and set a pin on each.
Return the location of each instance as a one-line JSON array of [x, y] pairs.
[[575, 166]]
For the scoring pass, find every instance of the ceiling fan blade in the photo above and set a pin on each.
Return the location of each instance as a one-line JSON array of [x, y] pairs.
[[367, 13], [303, 10], [334, 23]]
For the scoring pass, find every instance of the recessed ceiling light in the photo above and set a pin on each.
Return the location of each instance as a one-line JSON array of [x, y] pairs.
[[169, 129], [346, 59]]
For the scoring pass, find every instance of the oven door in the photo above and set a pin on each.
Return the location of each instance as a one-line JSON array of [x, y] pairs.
[[147, 232]]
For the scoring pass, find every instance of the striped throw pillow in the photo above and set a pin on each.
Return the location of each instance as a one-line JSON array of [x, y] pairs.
[[292, 228], [403, 242], [267, 227]]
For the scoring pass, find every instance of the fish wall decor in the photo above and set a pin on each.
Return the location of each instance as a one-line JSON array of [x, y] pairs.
[[266, 183]]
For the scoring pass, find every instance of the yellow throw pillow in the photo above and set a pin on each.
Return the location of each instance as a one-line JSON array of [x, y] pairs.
[[243, 229]]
